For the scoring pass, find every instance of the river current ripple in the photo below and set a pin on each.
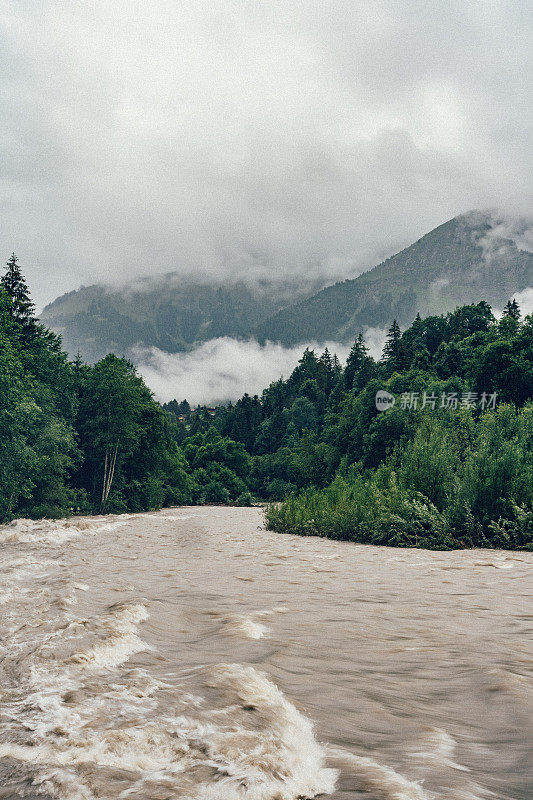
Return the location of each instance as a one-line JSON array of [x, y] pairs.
[[191, 654]]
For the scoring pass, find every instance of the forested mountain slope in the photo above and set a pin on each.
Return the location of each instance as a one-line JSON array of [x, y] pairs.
[[448, 464], [167, 312], [453, 265]]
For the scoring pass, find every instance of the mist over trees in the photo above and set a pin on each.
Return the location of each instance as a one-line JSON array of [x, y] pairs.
[[450, 464]]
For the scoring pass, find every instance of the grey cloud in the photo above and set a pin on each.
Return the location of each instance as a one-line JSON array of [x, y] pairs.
[[251, 139], [515, 228]]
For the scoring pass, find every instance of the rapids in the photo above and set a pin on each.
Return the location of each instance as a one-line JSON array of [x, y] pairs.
[[191, 654]]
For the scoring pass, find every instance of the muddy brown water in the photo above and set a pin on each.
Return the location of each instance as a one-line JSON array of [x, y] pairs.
[[191, 654]]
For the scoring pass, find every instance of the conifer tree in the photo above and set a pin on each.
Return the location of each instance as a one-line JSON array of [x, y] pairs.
[[396, 356], [14, 284], [512, 309], [326, 375], [392, 345], [355, 361], [326, 360]]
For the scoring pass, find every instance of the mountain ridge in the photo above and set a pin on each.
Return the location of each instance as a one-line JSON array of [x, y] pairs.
[[167, 312], [464, 260], [452, 265]]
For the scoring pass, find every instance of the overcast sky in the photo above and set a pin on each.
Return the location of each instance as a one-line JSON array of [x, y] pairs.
[[253, 137]]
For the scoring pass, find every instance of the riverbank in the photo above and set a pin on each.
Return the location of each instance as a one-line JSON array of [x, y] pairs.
[[377, 509]]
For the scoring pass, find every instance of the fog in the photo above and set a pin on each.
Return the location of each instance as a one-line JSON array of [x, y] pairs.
[[245, 139], [224, 369], [525, 301], [221, 369]]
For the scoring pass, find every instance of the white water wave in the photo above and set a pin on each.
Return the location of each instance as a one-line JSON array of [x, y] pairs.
[[121, 642], [269, 754], [57, 532], [63, 784], [248, 625], [282, 760]]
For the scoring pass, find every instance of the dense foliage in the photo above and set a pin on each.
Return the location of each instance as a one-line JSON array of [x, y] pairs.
[[75, 438], [448, 464]]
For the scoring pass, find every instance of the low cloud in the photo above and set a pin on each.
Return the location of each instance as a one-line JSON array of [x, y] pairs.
[[375, 341], [506, 229], [525, 301], [221, 369]]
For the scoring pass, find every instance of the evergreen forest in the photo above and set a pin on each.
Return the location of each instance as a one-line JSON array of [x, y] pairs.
[[448, 464]]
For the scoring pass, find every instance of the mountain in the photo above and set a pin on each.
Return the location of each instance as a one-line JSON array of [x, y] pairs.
[[168, 312], [463, 261]]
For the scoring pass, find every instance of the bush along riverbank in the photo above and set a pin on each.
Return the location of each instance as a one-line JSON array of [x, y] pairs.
[[455, 484], [431, 447]]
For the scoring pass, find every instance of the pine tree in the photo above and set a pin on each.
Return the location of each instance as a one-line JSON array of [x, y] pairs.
[[512, 309], [308, 368], [184, 408], [326, 360], [78, 364], [336, 395], [326, 376], [391, 351], [14, 284], [355, 361], [337, 372]]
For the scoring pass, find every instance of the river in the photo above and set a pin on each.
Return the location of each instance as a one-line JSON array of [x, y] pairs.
[[191, 654]]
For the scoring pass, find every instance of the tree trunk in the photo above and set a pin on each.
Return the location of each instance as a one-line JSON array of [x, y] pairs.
[[109, 474], [103, 498]]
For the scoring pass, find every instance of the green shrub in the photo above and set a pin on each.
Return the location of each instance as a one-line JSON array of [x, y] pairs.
[[514, 532], [244, 499], [216, 493], [435, 493]]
